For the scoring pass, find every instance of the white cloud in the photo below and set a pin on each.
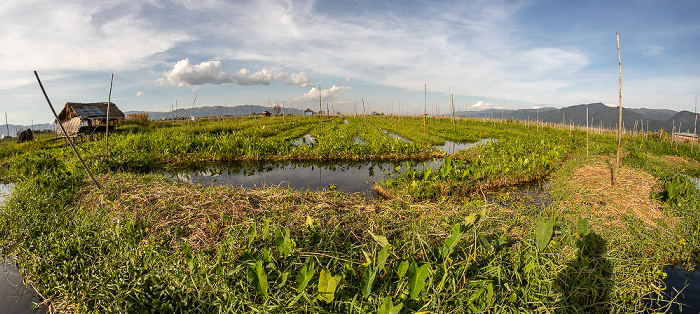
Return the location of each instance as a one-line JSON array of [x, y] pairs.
[[347, 80], [139, 94], [327, 95], [480, 105], [210, 72], [76, 36]]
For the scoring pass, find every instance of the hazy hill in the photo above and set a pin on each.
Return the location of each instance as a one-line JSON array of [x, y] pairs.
[[16, 129], [213, 111]]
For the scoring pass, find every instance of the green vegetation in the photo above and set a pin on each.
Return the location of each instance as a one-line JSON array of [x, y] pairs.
[[435, 243]]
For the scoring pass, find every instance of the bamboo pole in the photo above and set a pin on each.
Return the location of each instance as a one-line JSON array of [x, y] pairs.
[[320, 108], [70, 141], [109, 102], [619, 125], [587, 131], [695, 128], [425, 103]]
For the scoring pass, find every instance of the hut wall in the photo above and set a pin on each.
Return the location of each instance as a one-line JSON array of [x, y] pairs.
[[72, 126]]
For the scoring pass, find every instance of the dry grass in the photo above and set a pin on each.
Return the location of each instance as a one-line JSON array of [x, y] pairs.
[[592, 189], [210, 214]]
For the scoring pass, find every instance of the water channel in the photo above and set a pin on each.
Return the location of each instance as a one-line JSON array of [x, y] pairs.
[[15, 296]]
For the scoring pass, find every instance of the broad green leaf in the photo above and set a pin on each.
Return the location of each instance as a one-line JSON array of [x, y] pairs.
[[326, 285], [283, 279], [367, 281], [582, 226], [543, 232], [388, 307], [402, 268], [266, 229], [416, 281], [252, 232], [283, 241], [303, 278], [381, 257], [489, 294], [257, 278], [452, 241], [380, 239], [471, 219], [189, 257], [309, 223]]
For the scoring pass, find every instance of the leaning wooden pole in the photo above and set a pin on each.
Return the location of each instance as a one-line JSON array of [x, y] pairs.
[[109, 102], [70, 141], [619, 125]]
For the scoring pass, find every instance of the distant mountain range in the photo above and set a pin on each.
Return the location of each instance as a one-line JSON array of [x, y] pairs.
[[16, 129], [599, 115], [213, 111]]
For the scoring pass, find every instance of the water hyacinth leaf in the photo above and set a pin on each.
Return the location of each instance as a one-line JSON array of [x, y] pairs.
[[489, 294], [367, 281], [452, 241], [283, 241], [382, 257], [582, 226], [388, 307], [189, 257], [326, 285], [266, 229], [543, 232], [257, 278], [416, 280], [401, 269], [309, 223], [471, 219], [252, 232], [381, 240], [304, 276], [283, 279]]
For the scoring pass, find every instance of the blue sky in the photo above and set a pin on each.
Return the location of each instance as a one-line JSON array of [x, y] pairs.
[[489, 54]]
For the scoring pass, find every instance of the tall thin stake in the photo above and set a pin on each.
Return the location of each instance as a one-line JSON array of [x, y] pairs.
[[425, 103], [619, 125], [695, 128], [109, 102], [320, 108], [70, 141], [587, 131]]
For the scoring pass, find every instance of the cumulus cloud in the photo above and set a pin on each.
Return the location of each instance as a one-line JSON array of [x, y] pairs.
[[327, 95], [480, 105], [210, 72], [347, 80], [139, 94]]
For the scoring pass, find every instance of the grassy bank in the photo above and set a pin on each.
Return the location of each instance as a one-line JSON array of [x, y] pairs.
[[148, 244]]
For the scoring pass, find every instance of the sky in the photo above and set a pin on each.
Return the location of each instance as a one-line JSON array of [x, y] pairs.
[[487, 54]]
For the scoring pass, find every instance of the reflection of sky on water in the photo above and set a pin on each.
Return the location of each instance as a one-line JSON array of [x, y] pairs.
[[399, 137], [15, 297], [453, 147], [348, 177], [5, 190], [304, 140]]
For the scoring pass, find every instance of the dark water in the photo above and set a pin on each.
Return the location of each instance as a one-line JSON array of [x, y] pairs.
[[350, 177], [307, 139], [453, 147], [682, 293], [15, 296], [397, 136]]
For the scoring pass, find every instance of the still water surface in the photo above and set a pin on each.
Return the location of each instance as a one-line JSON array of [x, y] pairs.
[[15, 296]]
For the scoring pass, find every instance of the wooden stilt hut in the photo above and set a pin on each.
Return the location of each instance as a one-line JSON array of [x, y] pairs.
[[87, 118]]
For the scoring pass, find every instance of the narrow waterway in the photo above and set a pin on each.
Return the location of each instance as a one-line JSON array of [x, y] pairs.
[[15, 296], [349, 177]]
